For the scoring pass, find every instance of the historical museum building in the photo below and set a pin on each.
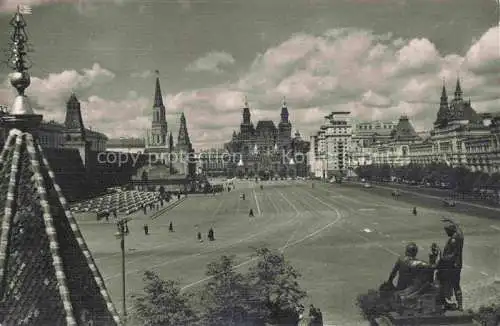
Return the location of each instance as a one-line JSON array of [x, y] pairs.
[[266, 150]]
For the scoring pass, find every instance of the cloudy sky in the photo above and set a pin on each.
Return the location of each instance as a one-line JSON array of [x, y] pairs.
[[376, 58]]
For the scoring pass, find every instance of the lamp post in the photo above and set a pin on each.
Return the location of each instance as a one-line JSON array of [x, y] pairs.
[[121, 234]]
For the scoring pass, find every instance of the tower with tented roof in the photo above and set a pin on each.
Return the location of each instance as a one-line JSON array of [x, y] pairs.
[[47, 274]]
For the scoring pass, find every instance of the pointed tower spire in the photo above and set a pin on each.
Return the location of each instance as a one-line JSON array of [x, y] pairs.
[[74, 120], [443, 92], [158, 101], [458, 90], [157, 136], [47, 273], [171, 142], [284, 112], [246, 113], [183, 141], [444, 111]]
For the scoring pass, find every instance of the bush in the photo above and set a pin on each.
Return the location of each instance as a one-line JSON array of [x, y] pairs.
[[370, 305], [162, 303], [488, 316]]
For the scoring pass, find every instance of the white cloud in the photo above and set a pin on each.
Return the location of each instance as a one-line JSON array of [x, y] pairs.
[[50, 94], [212, 62], [374, 77], [484, 55], [142, 74]]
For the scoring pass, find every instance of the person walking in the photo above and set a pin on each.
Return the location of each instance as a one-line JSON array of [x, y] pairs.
[[171, 227], [146, 229]]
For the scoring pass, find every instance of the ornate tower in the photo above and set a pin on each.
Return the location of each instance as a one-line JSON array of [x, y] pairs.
[[47, 273], [183, 141], [284, 128], [246, 127], [74, 136], [159, 127], [443, 113], [458, 91]]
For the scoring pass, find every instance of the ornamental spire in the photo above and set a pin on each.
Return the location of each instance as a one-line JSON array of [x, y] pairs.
[[458, 90], [21, 115], [158, 100]]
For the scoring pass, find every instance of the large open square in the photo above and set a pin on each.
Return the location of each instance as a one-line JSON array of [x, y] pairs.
[[343, 239]]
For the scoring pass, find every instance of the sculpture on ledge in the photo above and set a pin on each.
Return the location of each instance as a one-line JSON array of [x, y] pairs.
[[424, 289]]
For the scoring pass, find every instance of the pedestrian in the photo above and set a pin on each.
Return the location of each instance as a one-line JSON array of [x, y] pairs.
[[179, 195], [250, 214], [144, 209], [127, 231], [199, 237], [114, 214], [211, 234], [171, 227], [319, 317], [161, 203], [146, 229], [415, 211]]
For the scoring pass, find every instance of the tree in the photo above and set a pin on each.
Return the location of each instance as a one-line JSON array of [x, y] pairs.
[[225, 298], [275, 287], [162, 303]]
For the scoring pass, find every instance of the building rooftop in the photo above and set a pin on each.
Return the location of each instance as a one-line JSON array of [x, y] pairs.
[[41, 248], [126, 142]]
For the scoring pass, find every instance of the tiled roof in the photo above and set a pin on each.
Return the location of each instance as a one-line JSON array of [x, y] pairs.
[[48, 276], [404, 130], [265, 125]]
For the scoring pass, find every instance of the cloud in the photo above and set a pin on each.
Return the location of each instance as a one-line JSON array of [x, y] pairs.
[[50, 94], [143, 74], [484, 55], [372, 76], [82, 5], [212, 62]]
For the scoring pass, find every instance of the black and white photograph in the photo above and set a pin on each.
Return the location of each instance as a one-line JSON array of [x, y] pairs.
[[250, 162]]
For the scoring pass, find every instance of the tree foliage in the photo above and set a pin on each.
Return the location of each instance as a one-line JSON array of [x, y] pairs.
[[459, 178], [225, 299], [162, 303], [269, 293], [274, 282]]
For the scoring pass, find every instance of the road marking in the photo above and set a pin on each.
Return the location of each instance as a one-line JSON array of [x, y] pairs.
[[366, 209], [297, 213], [246, 262], [495, 227], [256, 202], [339, 217]]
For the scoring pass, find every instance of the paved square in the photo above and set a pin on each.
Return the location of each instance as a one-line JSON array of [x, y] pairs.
[[342, 239]]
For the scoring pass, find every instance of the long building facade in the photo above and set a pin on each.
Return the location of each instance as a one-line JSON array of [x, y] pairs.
[[460, 137], [267, 150], [55, 135]]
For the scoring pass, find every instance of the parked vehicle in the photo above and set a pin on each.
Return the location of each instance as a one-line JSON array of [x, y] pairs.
[[449, 203]]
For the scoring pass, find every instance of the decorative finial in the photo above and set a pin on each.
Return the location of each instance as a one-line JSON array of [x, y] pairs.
[[21, 114], [157, 72], [284, 101], [246, 101]]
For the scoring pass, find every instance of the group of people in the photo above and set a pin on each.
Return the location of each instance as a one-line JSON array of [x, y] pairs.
[[315, 316], [210, 235], [443, 268]]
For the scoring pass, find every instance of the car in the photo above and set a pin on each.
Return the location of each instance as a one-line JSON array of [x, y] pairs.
[[367, 185], [449, 203]]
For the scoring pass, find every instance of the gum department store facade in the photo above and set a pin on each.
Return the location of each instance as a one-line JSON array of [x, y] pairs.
[[460, 137]]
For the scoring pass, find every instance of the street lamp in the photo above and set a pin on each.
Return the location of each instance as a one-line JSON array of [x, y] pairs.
[[121, 234]]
